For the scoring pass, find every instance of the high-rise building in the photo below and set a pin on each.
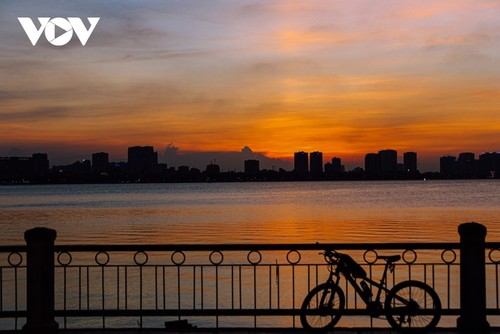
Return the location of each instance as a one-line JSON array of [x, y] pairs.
[[410, 162], [301, 163], [446, 165], [142, 160], [388, 161], [372, 164], [336, 166], [100, 162], [316, 163], [489, 164]]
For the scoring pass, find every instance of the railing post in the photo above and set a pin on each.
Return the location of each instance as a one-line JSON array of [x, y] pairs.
[[472, 278], [40, 281]]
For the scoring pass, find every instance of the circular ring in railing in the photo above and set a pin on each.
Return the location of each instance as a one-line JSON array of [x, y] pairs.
[[15, 262], [490, 255], [251, 259], [448, 256], [370, 256], [295, 258], [216, 257], [178, 258], [64, 259], [137, 258], [413, 257], [102, 258]]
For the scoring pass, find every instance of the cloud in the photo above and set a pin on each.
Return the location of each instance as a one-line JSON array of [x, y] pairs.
[[228, 161]]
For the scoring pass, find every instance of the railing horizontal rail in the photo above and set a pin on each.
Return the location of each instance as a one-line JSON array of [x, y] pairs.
[[219, 281]]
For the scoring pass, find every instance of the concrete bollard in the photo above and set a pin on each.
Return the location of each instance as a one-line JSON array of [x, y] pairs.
[[472, 279], [40, 281]]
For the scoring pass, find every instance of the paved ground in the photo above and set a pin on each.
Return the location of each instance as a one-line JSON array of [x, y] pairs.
[[252, 331]]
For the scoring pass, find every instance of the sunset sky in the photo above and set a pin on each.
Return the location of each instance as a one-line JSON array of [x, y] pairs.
[[342, 77]]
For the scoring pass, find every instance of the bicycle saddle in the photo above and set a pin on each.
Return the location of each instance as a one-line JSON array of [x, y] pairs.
[[390, 258]]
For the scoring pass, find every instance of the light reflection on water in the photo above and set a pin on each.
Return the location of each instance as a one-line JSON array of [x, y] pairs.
[[399, 211], [302, 212]]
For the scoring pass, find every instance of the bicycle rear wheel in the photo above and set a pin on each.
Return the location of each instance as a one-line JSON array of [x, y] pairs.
[[412, 306], [322, 307]]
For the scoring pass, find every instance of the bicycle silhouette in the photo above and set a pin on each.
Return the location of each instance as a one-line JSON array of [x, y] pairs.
[[408, 306]]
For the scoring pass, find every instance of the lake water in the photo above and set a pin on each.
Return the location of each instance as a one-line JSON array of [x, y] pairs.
[[273, 212]]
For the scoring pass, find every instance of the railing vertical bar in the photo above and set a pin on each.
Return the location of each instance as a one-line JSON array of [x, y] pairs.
[[126, 287], [16, 295], [217, 295], [88, 287], [103, 296], [202, 284], [433, 276], [1, 289], [425, 281], [255, 294], [240, 287], [232, 287], [156, 287], [293, 293], [194, 287], [496, 284], [278, 287], [164, 283], [80, 288], [270, 287], [140, 294], [117, 287], [65, 293], [449, 285], [179, 289]]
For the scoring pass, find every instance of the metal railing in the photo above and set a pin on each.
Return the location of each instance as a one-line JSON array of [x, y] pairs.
[[254, 286]]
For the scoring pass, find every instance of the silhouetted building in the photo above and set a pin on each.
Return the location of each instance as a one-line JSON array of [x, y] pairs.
[[142, 161], [252, 167], [100, 162], [212, 170], [489, 164], [388, 161], [335, 168], [16, 168], [316, 163], [466, 165], [446, 165], [40, 164], [410, 162], [372, 164], [301, 163]]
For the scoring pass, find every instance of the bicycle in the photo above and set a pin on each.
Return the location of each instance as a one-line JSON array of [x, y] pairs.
[[409, 305]]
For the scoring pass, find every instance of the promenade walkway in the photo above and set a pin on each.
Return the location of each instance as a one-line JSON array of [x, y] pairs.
[[252, 331]]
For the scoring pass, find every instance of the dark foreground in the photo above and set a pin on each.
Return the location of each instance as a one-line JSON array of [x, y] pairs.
[[495, 330]]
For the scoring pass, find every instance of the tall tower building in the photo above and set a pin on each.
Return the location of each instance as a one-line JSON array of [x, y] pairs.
[[142, 160], [316, 163], [100, 162], [372, 164], [388, 160], [301, 163], [410, 162]]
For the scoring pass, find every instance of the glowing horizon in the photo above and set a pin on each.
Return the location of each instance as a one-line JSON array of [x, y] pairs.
[[344, 78]]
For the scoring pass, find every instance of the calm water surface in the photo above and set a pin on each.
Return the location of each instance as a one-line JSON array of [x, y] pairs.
[[399, 211]]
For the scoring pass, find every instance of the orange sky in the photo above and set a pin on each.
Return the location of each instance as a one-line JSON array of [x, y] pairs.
[[342, 77]]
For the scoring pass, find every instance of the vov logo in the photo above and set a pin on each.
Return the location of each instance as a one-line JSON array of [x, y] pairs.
[[58, 31]]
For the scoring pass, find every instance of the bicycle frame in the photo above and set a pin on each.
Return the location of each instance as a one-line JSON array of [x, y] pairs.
[[381, 286]]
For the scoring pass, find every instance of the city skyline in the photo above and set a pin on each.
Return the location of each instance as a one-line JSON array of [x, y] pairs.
[[343, 78], [314, 162]]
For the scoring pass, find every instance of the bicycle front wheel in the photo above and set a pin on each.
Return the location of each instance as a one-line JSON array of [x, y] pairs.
[[322, 307], [412, 305]]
